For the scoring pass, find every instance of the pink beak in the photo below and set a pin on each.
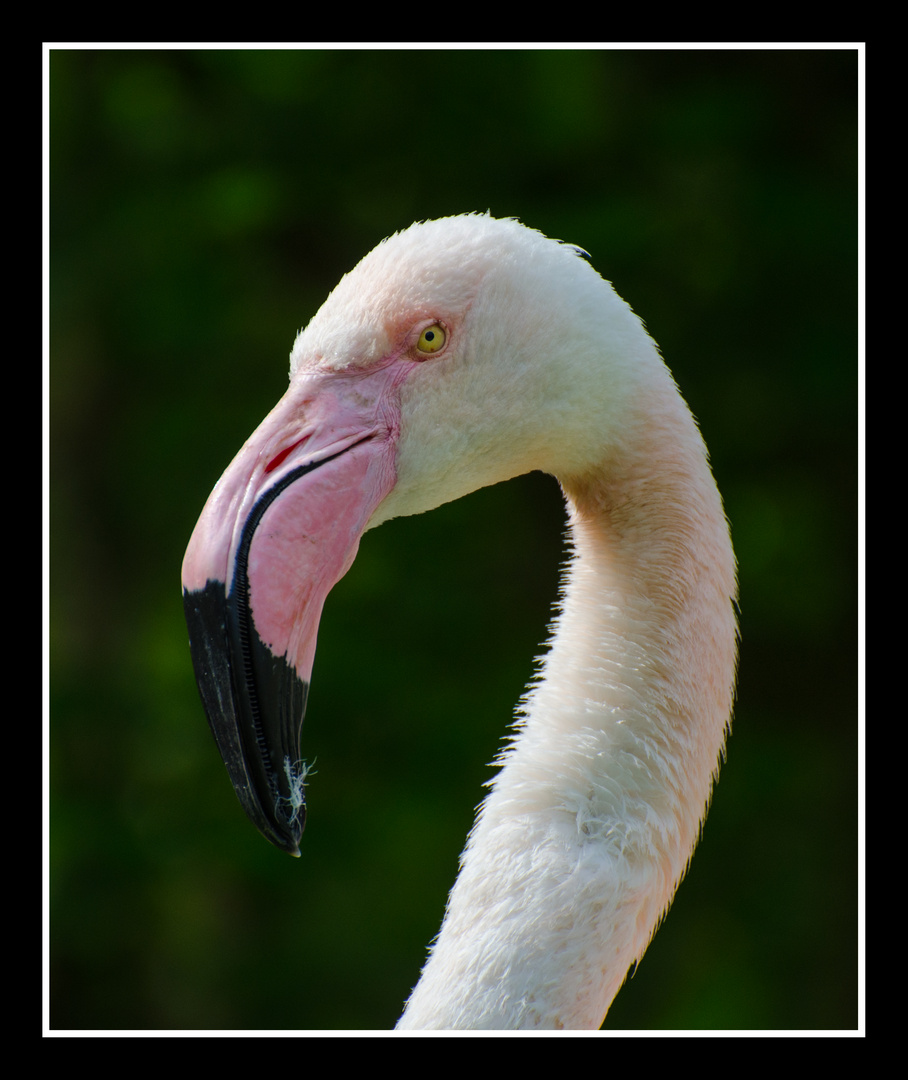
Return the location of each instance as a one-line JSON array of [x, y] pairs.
[[281, 527]]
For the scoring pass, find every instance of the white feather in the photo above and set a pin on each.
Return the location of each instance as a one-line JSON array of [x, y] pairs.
[[590, 824]]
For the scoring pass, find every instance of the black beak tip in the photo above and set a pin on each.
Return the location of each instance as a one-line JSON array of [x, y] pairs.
[[286, 839], [255, 713], [274, 823]]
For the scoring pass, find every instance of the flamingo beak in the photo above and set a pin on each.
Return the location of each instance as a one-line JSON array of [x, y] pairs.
[[281, 527]]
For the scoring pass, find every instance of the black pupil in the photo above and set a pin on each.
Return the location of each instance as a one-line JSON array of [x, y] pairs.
[[430, 335]]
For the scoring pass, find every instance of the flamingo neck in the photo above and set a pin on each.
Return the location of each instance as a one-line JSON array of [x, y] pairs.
[[589, 826]]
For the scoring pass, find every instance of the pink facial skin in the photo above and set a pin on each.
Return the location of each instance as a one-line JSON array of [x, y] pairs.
[[346, 425]]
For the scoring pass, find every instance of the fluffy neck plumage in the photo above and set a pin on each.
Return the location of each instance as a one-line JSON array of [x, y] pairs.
[[589, 826]]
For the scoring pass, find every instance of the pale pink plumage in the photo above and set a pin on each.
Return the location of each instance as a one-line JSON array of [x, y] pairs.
[[590, 824]]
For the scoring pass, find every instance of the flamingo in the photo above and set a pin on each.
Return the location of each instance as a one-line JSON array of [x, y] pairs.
[[459, 353]]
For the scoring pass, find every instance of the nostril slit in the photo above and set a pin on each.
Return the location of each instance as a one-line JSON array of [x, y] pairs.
[[280, 458]]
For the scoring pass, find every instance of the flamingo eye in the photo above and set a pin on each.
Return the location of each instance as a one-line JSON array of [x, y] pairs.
[[432, 339]]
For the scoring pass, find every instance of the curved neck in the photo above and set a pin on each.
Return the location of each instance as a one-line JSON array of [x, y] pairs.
[[579, 847]]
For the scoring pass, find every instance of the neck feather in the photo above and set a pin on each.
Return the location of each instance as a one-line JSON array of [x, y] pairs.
[[589, 826]]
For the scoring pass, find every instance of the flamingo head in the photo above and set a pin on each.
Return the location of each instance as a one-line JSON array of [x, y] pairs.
[[437, 366]]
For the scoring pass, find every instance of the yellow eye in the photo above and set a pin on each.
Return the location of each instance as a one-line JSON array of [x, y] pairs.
[[432, 339]]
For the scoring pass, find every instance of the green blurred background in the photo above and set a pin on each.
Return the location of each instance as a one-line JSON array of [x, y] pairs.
[[203, 204]]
